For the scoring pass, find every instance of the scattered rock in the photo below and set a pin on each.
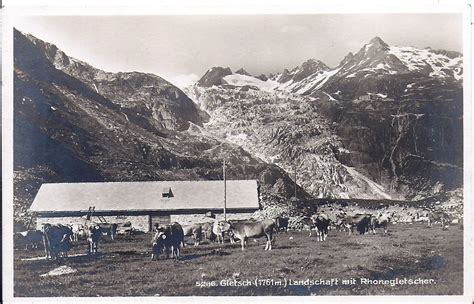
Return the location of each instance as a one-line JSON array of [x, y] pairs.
[[61, 270]]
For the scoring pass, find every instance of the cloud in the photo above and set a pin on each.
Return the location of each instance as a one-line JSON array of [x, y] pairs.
[[292, 28], [183, 80]]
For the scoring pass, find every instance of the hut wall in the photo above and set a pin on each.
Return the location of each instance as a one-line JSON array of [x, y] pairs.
[[185, 219], [139, 222]]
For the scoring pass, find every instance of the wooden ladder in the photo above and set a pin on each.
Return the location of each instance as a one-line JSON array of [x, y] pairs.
[[90, 213]]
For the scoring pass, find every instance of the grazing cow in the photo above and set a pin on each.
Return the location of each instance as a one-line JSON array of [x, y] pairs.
[[281, 224], [187, 231], [108, 229], [423, 219], [339, 225], [218, 231], [232, 236], [321, 222], [94, 236], [57, 240], [381, 221], [29, 238], [168, 238], [308, 224], [207, 231], [252, 229], [438, 217], [197, 234], [195, 231], [125, 228], [362, 222], [79, 232]]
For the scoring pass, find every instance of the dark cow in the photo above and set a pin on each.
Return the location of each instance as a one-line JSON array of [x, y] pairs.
[[195, 231], [94, 235], [28, 239], [168, 238], [281, 224], [244, 230], [96, 232], [57, 240], [321, 223], [362, 222]]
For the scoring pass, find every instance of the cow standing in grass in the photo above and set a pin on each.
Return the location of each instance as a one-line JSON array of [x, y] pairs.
[[438, 217], [108, 229], [168, 238], [321, 223], [244, 230], [339, 225], [281, 224], [57, 240], [207, 231], [195, 231], [80, 232], [307, 224], [380, 221], [362, 222], [93, 238], [29, 239], [218, 231]]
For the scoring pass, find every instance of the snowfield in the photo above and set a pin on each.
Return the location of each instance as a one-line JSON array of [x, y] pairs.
[[417, 59], [239, 80]]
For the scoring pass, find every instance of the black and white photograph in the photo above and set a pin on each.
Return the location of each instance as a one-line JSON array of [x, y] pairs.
[[179, 155]]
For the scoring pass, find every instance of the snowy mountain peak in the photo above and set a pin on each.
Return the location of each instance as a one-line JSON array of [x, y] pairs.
[[241, 71], [306, 69], [315, 65], [214, 76], [378, 41], [372, 49]]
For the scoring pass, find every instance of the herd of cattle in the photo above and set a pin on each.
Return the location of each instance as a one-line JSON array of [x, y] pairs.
[[58, 239]]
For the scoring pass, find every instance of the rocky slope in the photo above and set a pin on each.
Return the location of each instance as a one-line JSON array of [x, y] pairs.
[[73, 122], [289, 131]]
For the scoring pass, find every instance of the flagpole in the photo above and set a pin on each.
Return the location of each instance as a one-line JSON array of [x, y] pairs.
[[225, 194]]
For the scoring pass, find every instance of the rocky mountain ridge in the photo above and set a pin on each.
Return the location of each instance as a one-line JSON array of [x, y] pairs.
[[396, 112], [377, 68]]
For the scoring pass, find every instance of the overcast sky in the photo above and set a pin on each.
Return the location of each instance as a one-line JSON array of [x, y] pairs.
[[182, 48]]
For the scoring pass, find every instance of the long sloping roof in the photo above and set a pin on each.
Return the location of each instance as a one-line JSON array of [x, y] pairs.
[[116, 196]]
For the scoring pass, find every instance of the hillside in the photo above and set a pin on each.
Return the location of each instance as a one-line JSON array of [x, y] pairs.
[[73, 122]]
